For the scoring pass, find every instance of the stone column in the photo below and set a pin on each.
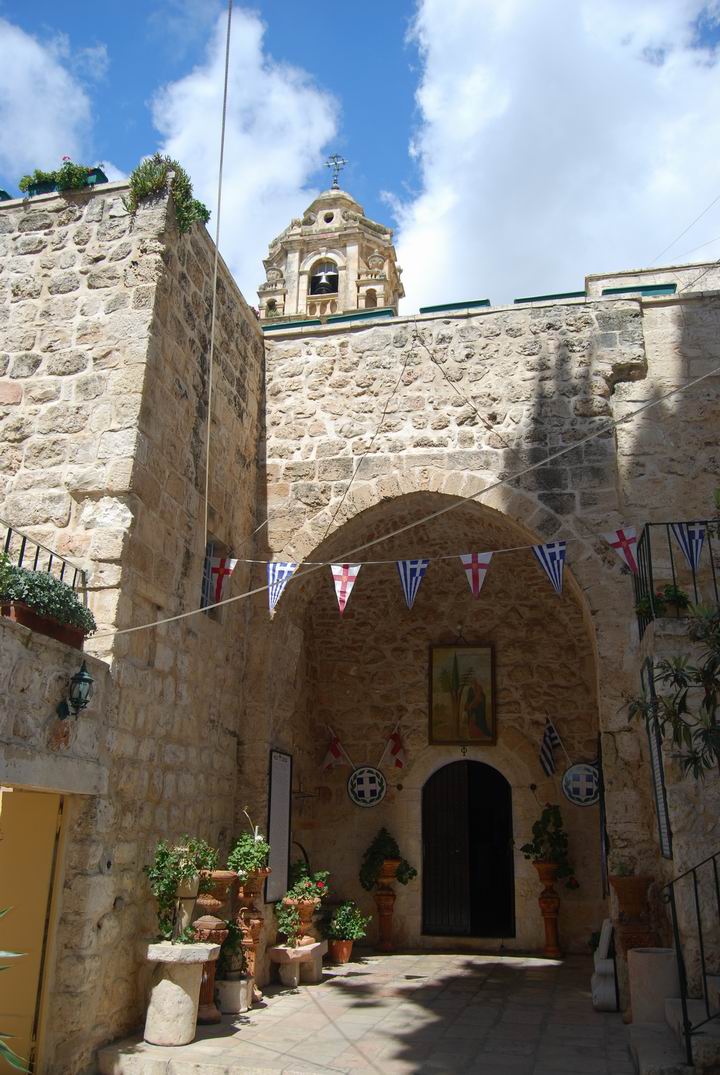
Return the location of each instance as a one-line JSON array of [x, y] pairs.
[[173, 1007]]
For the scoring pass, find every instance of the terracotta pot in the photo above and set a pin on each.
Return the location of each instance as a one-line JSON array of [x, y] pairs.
[[632, 895], [339, 951], [215, 900], [44, 625], [252, 885], [388, 872]]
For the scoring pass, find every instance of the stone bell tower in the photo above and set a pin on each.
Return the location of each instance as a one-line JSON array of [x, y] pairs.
[[333, 261]]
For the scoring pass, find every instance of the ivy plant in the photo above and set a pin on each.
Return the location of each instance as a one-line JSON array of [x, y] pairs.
[[171, 866], [288, 922], [231, 951], [550, 844], [248, 855], [687, 711], [384, 846], [44, 594], [153, 176]]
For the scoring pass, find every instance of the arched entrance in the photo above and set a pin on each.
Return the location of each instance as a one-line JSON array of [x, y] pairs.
[[468, 876]]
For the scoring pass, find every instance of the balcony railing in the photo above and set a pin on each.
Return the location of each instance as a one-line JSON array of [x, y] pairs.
[[661, 562], [22, 551]]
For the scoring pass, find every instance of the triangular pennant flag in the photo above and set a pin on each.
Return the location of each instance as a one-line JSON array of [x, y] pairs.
[[411, 575], [221, 567], [398, 753], [551, 558], [335, 755], [476, 565], [690, 538], [344, 576], [278, 574], [625, 544]]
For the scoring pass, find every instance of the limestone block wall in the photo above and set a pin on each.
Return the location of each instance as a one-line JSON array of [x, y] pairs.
[[122, 495]]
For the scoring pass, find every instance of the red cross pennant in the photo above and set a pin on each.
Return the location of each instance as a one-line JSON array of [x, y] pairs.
[[220, 568], [344, 576], [476, 565], [624, 542]]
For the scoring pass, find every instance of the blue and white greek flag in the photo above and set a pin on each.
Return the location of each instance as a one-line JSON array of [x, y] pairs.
[[550, 740], [551, 558], [411, 575], [277, 576], [690, 538]]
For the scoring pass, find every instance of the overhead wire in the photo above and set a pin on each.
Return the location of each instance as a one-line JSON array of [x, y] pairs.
[[687, 229], [317, 566]]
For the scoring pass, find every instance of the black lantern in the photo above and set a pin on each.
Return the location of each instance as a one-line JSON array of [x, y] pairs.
[[79, 693]]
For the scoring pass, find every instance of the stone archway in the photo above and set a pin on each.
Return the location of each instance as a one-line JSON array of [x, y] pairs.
[[362, 672]]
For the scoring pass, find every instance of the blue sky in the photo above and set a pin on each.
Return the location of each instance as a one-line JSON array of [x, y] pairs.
[[514, 146]]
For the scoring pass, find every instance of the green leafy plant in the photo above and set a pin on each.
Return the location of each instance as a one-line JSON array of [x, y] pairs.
[[6, 1053], [348, 923], [46, 595], [171, 867], [687, 712], [153, 176], [550, 844], [69, 176], [383, 847], [249, 854], [665, 595], [306, 885], [288, 921]]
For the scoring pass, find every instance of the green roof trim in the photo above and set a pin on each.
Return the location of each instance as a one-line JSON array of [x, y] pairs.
[[454, 306], [361, 315], [642, 289], [288, 324], [557, 295]]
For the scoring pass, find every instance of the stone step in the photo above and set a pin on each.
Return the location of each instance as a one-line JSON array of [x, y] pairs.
[[705, 1040], [656, 1051]]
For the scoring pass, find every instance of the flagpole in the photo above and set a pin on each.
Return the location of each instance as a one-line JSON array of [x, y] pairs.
[[557, 733]]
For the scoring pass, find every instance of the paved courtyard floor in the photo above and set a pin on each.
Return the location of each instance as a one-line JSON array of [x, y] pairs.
[[434, 1013]]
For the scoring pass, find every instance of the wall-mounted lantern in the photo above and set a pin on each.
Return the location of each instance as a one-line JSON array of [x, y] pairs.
[[79, 693]]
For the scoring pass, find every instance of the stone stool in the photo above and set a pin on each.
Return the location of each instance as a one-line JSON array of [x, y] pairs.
[[173, 1007], [299, 964]]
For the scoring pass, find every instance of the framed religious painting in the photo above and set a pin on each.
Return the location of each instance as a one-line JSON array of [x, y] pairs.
[[462, 694]]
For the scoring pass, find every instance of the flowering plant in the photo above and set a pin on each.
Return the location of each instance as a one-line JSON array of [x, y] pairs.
[[306, 885]]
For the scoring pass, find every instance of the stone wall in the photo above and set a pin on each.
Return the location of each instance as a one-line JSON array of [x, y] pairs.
[[106, 321], [469, 399]]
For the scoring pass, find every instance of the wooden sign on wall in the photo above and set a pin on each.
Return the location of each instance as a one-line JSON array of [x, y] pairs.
[[279, 818]]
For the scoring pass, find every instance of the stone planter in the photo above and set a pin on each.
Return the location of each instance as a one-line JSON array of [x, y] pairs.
[[549, 904], [339, 951], [234, 994], [654, 978], [44, 625], [631, 895], [173, 1007]]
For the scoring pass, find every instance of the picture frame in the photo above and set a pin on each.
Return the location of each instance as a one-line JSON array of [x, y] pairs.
[[461, 707]]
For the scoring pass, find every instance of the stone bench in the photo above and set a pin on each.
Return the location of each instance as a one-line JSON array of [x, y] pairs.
[[303, 963]]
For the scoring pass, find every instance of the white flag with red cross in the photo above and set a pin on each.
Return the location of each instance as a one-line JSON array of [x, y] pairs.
[[344, 576], [335, 754], [476, 565], [398, 754], [624, 542], [221, 568]]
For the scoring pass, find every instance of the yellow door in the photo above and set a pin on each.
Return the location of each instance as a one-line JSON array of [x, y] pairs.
[[29, 826]]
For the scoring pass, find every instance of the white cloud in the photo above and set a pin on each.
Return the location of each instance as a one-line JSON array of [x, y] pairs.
[[555, 140], [278, 122], [45, 113]]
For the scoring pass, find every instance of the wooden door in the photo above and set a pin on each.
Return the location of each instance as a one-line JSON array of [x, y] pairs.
[[468, 875], [29, 829]]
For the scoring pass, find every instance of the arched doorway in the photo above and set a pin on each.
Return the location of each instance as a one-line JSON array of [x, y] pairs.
[[468, 877]]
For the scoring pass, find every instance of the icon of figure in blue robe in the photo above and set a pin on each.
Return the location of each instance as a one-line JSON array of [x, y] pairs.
[[475, 708]]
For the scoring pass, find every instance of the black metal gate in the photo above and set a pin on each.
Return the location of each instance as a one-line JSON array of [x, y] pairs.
[[468, 877]]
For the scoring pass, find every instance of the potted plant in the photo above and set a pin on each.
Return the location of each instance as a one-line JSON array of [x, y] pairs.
[[548, 852], [40, 182], [382, 863], [675, 599], [176, 876], [297, 907], [69, 176], [8, 1054], [249, 856], [347, 924], [648, 608], [43, 603], [160, 175]]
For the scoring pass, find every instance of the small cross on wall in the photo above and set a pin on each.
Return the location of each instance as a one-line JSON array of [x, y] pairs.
[[336, 163]]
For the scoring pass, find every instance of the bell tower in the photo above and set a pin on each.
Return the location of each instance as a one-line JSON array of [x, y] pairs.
[[332, 261]]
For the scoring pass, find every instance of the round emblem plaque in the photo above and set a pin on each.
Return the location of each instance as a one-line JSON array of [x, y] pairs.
[[366, 786], [581, 783]]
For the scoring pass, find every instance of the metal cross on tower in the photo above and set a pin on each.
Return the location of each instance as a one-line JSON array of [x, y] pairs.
[[337, 163]]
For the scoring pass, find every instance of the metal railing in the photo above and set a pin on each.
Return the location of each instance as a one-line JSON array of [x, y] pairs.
[[660, 562], [23, 551], [690, 889]]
